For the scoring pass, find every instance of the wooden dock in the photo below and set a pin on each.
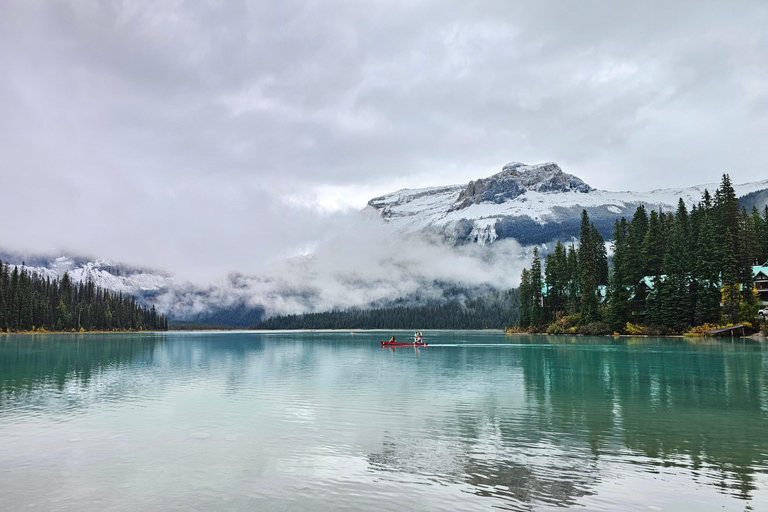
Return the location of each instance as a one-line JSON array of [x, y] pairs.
[[716, 332]]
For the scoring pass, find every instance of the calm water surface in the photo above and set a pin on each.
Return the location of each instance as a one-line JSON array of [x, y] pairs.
[[331, 421]]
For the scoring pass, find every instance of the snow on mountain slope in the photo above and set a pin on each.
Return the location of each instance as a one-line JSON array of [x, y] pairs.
[[531, 203], [107, 274], [224, 302]]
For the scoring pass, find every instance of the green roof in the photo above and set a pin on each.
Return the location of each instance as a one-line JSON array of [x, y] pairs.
[[649, 280], [760, 269]]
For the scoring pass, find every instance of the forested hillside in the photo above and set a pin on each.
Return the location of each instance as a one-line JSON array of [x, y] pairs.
[[757, 199], [29, 302], [494, 311]]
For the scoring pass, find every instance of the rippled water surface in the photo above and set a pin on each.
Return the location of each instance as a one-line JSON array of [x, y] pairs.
[[331, 421]]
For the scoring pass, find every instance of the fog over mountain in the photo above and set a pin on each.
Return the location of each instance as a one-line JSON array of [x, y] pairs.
[[410, 247], [370, 264]]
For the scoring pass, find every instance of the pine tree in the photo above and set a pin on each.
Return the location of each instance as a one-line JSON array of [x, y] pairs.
[[760, 227], [764, 256], [676, 300], [636, 265], [2, 297], [601, 255], [731, 293], [526, 300], [574, 299], [537, 312], [14, 301], [619, 288], [707, 274], [556, 279], [588, 271], [726, 209], [653, 248]]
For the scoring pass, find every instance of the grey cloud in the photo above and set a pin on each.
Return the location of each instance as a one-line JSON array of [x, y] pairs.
[[174, 133]]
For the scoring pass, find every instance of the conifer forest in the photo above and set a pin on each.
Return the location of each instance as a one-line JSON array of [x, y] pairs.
[[29, 302], [492, 311], [669, 272]]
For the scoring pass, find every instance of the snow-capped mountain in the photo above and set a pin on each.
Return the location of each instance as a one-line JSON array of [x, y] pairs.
[[110, 275], [533, 204]]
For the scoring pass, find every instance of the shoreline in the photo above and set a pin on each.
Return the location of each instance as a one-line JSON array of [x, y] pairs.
[[756, 335], [77, 332]]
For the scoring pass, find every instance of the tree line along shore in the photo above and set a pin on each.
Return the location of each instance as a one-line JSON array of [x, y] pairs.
[[32, 303], [492, 311], [671, 273]]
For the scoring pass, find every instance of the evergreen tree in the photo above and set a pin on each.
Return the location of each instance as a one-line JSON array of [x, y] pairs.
[[574, 300], [764, 258], [620, 287], [556, 279], [14, 303], [526, 300], [707, 274], [760, 224], [601, 255], [636, 266], [731, 293], [726, 210], [653, 248], [676, 300], [3, 301], [537, 311], [588, 271]]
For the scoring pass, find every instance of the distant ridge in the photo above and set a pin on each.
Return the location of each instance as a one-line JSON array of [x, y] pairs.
[[533, 204]]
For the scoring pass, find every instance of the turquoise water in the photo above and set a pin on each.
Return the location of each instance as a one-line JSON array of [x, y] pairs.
[[331, 421]]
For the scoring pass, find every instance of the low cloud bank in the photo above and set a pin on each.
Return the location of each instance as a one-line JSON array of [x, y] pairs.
[[368, 265]]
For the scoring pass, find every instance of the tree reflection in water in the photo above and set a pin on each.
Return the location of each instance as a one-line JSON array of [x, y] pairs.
[[701, 409]]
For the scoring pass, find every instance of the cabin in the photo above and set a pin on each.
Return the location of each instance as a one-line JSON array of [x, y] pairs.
[[761, 282], [760, 273]]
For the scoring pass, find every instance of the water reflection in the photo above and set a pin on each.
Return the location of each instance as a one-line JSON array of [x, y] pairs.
[[689, 408], [31, 363], [699, 407], [517, 423], [69, 372]]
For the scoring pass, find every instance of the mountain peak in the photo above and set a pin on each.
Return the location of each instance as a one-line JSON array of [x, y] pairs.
[[515, 179], [512, 166]]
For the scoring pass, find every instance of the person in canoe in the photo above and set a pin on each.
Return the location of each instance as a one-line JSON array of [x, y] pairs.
[[418, 338], [392, 340]]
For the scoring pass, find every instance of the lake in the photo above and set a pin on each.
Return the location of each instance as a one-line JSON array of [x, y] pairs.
[[322, 421]]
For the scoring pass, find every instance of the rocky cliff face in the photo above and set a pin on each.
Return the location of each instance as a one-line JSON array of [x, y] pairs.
[[515, 179]]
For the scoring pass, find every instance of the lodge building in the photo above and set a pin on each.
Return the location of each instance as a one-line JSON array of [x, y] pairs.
[[760, 273], [761, 282]]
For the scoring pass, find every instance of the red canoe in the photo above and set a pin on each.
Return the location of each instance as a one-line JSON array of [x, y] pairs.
[[399, 344]]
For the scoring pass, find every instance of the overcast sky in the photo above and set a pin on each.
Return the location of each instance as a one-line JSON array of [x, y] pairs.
[[221, 136]]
